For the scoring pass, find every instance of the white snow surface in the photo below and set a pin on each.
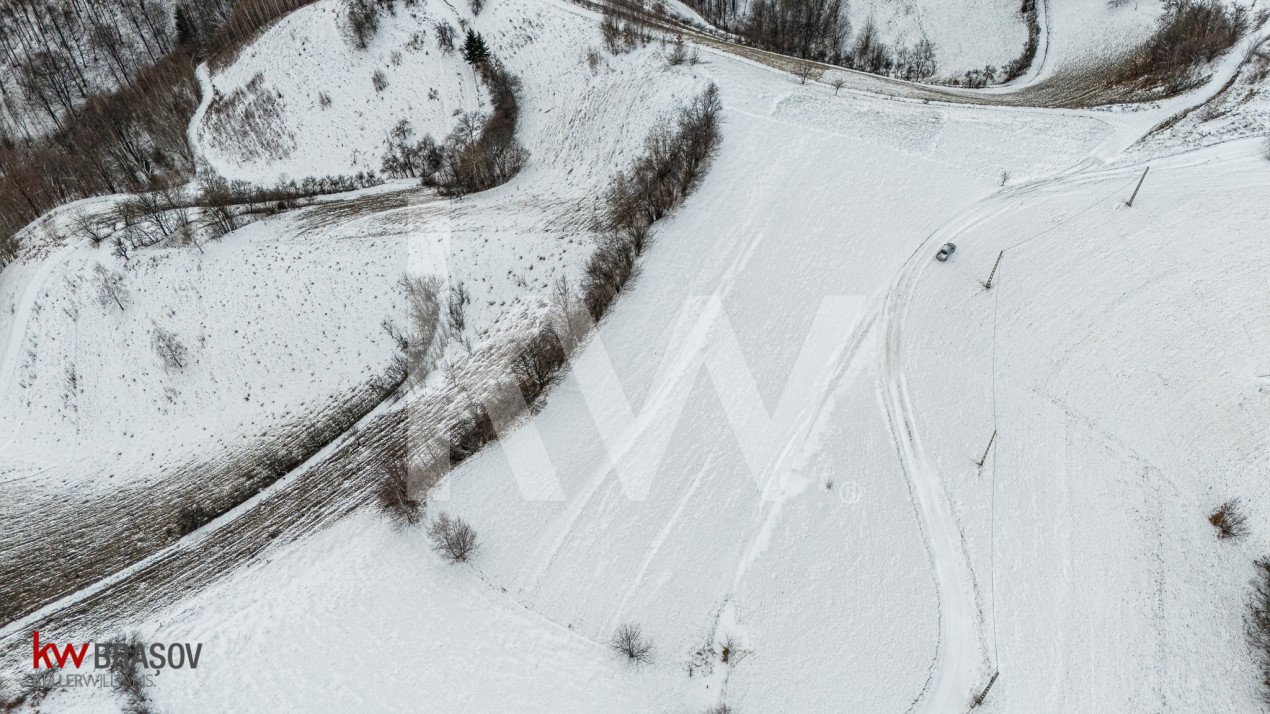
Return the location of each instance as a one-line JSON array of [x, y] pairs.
[[966, 35], [773, 437], [315, 110]]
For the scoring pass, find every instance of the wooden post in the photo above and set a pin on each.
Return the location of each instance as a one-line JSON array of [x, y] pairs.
[[986, 449], [978, 700], [1135, 188], [988, 285]]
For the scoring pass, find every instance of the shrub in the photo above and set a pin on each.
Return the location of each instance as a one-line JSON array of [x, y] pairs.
[[363, 21], [445, 36], [478, 157], [678, 53], [425, 323], [1190, 34], [456, 307], [169, 348], [126, 671], [407, 159], [191, 518], [452, 538], [1229, 520], [472, 432], [673, 163], [379, 80], [1258, 623], [394, 494], [629, 642]]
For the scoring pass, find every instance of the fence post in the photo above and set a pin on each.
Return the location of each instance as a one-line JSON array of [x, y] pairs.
[[986, 449], [988, 285], [1135, 188]]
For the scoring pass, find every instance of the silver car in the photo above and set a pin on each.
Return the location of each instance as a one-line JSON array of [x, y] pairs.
[[945, 252]]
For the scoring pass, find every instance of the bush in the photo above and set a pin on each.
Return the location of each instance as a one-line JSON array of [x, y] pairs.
[[478, 157], [191, 518], [452, 538], [1258, 623], [445, 36], [363, 19], [629, 642], [456, 306], [671, 167], [1191, 33], [169, 348], [394, 494], [1229, 520], [538, 363], [472, 432], [126, 672]]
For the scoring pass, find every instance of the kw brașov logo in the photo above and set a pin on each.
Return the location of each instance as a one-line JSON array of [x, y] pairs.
[[112, 657]]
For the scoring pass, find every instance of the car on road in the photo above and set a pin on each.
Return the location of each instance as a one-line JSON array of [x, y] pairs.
[[945, 251]]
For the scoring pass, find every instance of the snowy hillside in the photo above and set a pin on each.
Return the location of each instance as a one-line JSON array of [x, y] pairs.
[[814, 466], [331, 117]]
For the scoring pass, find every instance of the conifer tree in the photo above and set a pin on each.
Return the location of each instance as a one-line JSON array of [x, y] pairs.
[[474, 50]]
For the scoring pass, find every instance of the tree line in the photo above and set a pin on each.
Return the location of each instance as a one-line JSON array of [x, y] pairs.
[[125, 137]]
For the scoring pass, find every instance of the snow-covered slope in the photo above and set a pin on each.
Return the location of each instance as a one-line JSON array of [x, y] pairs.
[[772, 441], [303, 100], [966, 35]]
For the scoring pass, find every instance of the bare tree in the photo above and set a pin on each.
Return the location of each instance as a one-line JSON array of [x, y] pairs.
[[457, 306], [1257, 623], [394, 496], [110, 286], [837, 83], [169, 348], [95, 232], [445, 36], [452, 538], [629, 642], [424, 332]]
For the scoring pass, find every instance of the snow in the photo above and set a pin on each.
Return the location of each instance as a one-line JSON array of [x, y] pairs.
[[315, 110], [966, 35], [772, 440]]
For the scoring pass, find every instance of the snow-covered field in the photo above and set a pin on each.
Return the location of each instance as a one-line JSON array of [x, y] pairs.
[[772, 441]]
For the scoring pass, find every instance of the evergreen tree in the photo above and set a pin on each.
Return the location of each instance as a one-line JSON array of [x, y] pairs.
[[474, 49]]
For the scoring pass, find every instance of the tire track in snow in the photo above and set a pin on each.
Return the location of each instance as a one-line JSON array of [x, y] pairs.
[[960, 650], [961, 664]]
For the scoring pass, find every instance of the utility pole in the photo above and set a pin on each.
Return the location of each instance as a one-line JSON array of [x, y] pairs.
[[1135, 188], [988, 285], [986, 449]]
